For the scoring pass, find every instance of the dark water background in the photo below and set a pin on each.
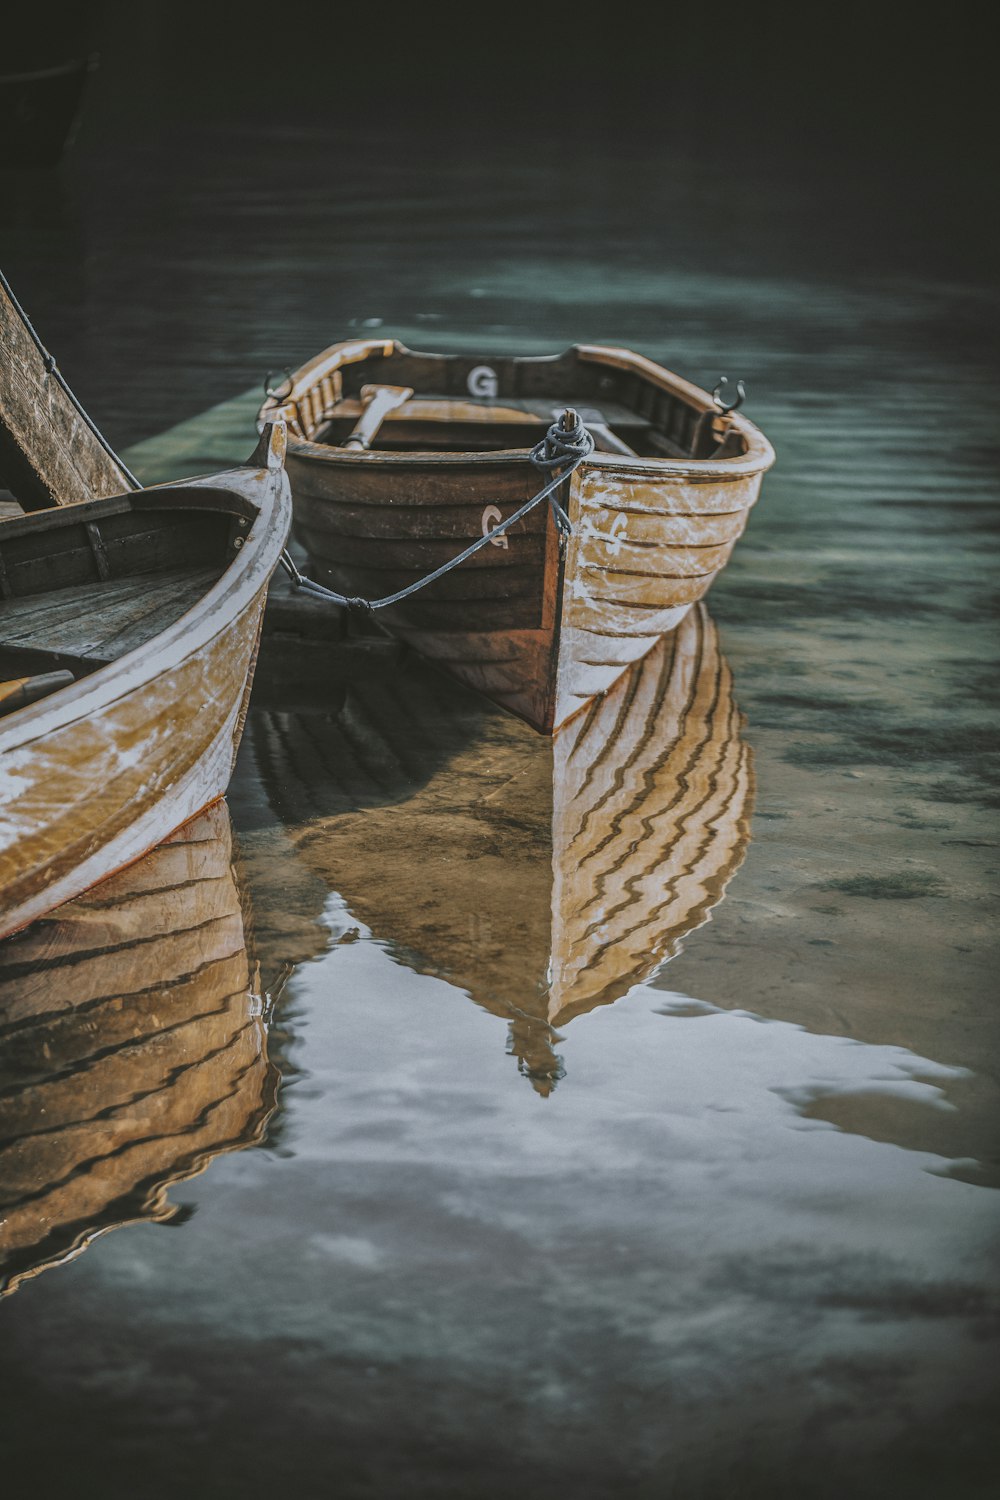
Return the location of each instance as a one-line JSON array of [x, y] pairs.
[[745, 1246]]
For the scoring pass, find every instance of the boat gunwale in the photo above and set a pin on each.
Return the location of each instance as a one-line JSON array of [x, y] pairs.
[[758, 458], [216, 611]]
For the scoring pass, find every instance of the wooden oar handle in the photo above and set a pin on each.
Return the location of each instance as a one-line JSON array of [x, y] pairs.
[[20, 691], [379, 401]]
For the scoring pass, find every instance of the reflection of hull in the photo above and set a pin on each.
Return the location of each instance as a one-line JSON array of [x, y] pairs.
[[651, 817], [543, 878], [133, 1051]]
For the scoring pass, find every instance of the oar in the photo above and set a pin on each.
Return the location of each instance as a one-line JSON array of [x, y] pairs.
[[379, 401], [18, 692]]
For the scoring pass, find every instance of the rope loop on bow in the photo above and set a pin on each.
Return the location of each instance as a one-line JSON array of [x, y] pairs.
[[566, 444]]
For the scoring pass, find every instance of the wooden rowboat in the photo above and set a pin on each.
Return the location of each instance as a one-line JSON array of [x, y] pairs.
[[129, 627], [398, 461], [153, 602], [133, 1049], [543, 878]]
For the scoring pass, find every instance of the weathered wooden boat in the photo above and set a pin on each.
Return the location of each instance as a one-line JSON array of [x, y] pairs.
[[544, 878], [133, 1049], [128, 636], [143, 613], [399, 461]]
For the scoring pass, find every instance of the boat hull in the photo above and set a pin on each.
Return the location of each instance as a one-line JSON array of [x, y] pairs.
[[94, 776], [50, 451], [371, 532], [99, 792]]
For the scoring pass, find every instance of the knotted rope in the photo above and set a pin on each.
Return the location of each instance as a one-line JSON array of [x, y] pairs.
[[563, 448]]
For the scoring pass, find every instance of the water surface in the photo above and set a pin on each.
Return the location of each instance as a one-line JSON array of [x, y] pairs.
[[730, 1232]]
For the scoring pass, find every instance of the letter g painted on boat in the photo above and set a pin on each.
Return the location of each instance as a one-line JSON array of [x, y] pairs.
[[483, 381], [491, 516]]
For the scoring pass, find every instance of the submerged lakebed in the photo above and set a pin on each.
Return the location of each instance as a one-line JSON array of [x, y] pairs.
[[728, 1223]]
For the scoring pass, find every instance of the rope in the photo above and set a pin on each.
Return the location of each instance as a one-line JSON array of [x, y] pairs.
[[561, 451]]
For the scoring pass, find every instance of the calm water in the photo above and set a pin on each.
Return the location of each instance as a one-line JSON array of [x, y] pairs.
[[725, 1226]]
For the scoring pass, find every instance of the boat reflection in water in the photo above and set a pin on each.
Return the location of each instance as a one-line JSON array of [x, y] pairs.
[[543, 877], [133, 1049]]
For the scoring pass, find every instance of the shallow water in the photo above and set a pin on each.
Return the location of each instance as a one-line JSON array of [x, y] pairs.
[[729, 1232]]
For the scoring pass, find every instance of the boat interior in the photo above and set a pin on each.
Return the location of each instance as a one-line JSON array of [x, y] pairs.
[[80, 586], [463, 403]]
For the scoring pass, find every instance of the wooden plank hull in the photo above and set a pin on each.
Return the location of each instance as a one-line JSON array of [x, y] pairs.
[[544, 878], [94, 776], [50, 451], [133, 1049], [366, 536], [536, 631]]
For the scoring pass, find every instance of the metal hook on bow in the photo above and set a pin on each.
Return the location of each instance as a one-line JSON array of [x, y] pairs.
[[284, 390], [725, 407]]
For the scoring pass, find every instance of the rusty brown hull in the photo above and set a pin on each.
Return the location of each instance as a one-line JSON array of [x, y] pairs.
[[539, 630], [133, 1051]]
